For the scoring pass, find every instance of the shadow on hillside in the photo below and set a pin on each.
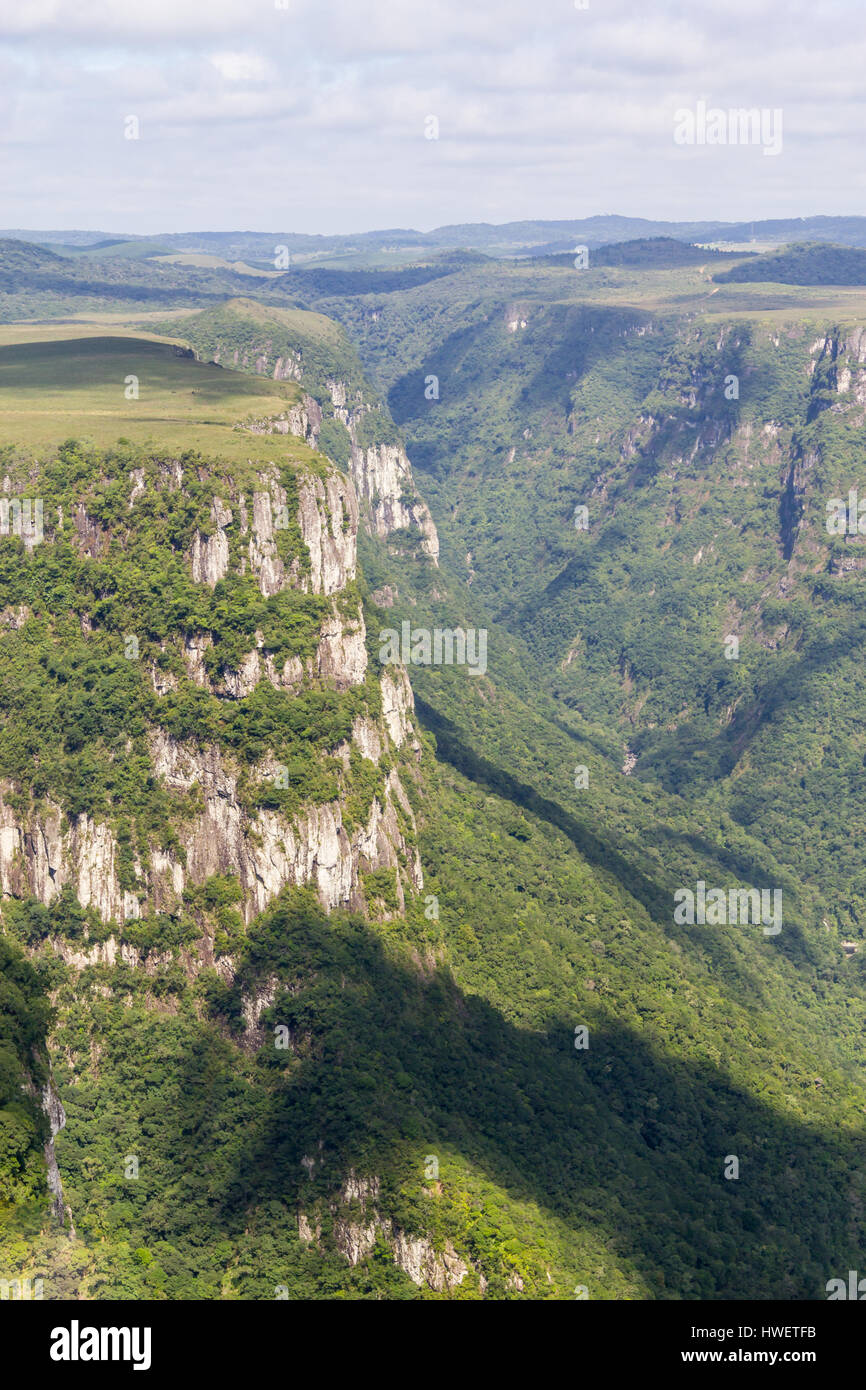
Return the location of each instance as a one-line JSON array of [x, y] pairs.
[[745, 861], [537, 371], [452, 748], [391, 1063], [604, 854]]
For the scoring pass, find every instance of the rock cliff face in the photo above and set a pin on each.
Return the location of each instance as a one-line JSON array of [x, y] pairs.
[[262, 361], [43, 851], [693, 423], [334, 390], [265, 851], [52, 1108], [840, 359], [383, 478], [381, 473], [245, 634], [328, 518]]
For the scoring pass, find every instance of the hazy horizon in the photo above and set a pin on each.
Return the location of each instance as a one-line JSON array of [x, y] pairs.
[[245, 230]]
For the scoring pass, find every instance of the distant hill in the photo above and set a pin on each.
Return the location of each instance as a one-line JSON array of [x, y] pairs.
[[65, 237], [656, 251], [644, 251], [23, 256], [809, 263], [300, 283], [504, 239], [844, 231], [130, 248]]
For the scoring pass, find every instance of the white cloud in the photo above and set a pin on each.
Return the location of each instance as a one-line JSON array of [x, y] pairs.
[[240, 67], [312, 118]]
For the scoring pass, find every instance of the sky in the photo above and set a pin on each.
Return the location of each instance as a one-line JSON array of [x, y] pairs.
[[317, 115]]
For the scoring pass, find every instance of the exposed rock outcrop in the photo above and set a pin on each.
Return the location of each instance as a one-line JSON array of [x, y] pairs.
[[210, 555], [56, 1116], [358, 1224], [383, 478], [381, 472], [266, 851], [328, 517], [42, 852]]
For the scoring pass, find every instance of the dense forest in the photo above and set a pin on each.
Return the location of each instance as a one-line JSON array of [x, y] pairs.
[[514, 1074]]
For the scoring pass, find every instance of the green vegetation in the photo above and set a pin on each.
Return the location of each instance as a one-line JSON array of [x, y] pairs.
[[804, 263], [25, 1016], [79, 703], [430, 1085], [644, 252]]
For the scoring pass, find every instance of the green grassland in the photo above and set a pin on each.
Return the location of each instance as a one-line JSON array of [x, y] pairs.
[[71, 382]]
